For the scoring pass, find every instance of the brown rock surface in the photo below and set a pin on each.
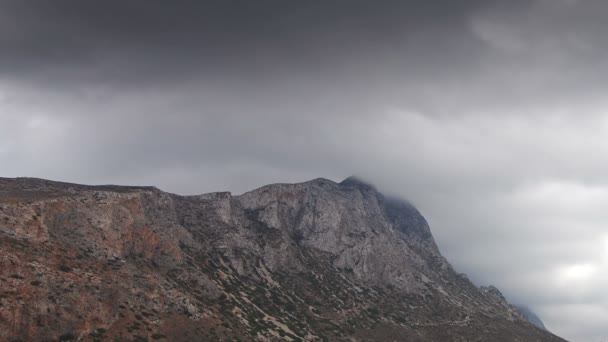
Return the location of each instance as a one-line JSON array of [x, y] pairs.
[[317, 261]]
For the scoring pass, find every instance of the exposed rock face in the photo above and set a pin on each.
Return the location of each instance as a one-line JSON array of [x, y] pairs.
[[315, 261]]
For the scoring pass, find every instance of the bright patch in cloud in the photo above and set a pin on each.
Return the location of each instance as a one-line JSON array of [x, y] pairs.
[[577, 272]]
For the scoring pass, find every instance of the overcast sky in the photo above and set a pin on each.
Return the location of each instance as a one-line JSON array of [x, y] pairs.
[[491, 116]]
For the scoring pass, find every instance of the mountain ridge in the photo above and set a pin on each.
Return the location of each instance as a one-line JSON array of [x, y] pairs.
[[311, 261]]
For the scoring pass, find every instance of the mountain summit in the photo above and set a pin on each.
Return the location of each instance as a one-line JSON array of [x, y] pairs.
[[313, 261]]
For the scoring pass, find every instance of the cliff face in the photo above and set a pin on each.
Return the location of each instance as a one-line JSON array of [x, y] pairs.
[[316, 261]]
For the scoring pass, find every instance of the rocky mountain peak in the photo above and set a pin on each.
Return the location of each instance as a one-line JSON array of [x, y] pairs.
[[354, 181], [312, 261]]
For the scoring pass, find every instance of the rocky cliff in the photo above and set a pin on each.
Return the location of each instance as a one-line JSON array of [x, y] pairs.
[[315, 261]]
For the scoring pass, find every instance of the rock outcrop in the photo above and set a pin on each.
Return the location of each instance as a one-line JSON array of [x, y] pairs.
[[314, 261]]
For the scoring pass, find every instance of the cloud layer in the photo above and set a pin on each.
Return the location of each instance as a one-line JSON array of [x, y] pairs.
[[488, 115]]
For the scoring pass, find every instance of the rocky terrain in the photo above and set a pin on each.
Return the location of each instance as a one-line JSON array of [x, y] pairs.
[[315, 261]]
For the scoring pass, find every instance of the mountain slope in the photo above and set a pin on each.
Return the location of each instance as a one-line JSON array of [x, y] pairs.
[[531, 316], [315, 261]]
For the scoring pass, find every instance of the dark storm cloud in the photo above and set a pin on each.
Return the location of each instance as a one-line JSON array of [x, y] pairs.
[[489, 115], [68, 29], [140, 42]]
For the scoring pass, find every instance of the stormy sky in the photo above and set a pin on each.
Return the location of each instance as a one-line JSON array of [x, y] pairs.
[[490, 116]]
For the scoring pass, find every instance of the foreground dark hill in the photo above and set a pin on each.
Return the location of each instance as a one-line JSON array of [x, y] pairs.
[[315, 261]]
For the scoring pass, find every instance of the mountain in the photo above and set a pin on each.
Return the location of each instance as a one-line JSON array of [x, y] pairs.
[[531, 316], [314, 261]]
